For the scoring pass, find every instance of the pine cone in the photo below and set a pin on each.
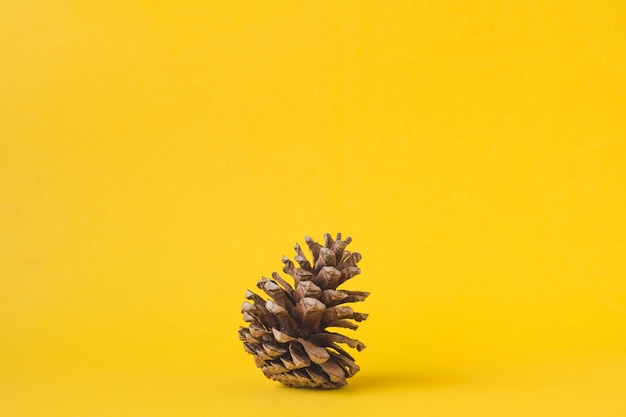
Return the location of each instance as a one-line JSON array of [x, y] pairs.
[[288, 333]]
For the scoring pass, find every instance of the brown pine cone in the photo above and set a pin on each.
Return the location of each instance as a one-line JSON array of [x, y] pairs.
[[288, 333]]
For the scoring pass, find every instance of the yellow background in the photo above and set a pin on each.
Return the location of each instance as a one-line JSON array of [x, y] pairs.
[[157, 158]]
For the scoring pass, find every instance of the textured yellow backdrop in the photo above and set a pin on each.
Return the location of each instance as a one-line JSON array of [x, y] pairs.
[[156, 158]]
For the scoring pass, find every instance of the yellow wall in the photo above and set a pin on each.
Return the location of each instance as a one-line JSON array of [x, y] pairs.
[[157, 158]]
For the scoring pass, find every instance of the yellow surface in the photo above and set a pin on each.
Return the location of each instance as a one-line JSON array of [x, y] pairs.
[[156, 158]]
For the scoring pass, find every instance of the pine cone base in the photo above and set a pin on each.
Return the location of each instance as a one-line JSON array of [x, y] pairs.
[[288, 332]]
